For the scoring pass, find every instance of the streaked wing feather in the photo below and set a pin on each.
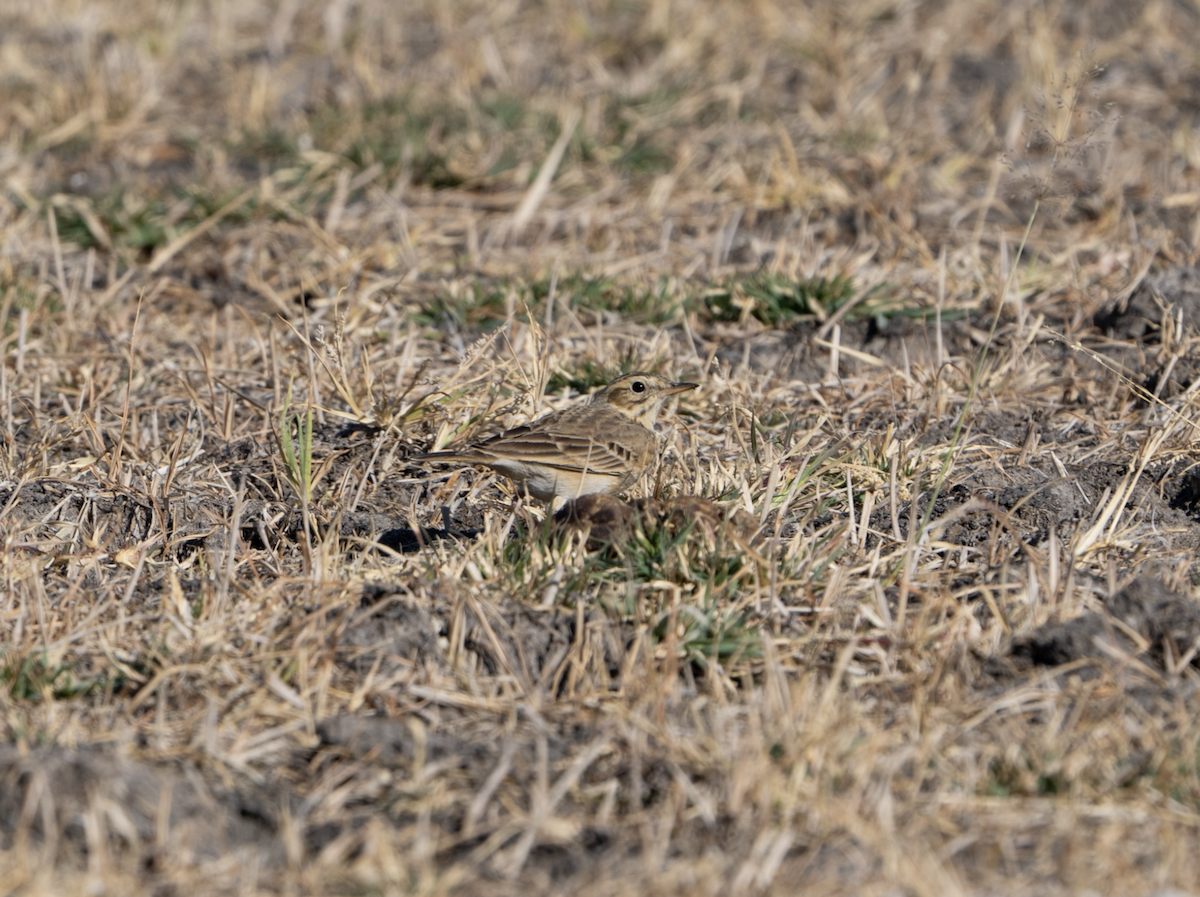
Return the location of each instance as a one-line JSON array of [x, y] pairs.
[[563, 451]]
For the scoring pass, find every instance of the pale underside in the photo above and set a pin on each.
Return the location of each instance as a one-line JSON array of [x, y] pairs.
[[547, 483]]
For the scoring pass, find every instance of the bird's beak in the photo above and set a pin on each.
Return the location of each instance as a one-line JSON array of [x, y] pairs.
[[678, 387]]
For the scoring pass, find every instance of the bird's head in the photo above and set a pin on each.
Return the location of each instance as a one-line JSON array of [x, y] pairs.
[[639, 396]]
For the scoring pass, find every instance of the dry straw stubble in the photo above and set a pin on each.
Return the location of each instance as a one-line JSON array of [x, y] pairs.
[[410, 686]]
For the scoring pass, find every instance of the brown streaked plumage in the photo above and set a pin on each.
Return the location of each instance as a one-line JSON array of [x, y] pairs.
[[602, 446]]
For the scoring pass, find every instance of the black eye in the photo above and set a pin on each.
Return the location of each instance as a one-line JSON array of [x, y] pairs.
[[638, 386]]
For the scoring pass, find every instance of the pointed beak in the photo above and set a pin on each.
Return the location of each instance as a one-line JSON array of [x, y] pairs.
[[678, 387]]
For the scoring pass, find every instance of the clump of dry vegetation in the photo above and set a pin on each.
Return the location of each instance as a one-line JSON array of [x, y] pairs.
[[907, 605]]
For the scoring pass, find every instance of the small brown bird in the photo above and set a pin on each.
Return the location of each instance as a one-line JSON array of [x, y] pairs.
[[603, 446]]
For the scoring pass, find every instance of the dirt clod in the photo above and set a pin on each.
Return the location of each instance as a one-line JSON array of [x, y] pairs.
[[611, 521], [1157, 620]]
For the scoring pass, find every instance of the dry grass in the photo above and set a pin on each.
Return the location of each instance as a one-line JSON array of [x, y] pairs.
[[910, 251]]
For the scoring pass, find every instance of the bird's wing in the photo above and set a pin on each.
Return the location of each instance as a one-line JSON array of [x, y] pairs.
[[614, 452]]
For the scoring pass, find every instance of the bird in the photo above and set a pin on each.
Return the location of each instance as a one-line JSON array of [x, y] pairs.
[[604, 445]]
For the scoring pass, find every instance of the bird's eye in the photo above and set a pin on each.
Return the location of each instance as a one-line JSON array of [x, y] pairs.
[[638, 386]]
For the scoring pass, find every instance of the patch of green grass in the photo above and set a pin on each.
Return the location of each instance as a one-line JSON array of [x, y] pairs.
[[394, 132], [32, 678], [1032, 774], [777, 300], [709, 621], [73, 229], [295, 447], [485, 304], [505, 109], [143, 223], [884, 304], [131, 220], [661, 102], [704, 616], [643, 157], [475, 305], [506, 161], [589, 374], [1000, 780], [650, 305], [525, 562], [205, 202], [399, 132], [635, 124], [273, 146], [711, 635], [22, 296], [582, 291], [854, 141]]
